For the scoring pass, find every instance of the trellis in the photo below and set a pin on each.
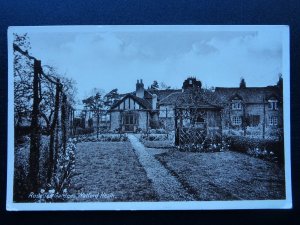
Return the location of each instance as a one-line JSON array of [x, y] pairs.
[[190, 120], [57, 127]]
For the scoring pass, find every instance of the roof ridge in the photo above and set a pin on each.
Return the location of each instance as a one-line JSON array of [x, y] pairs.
[[169, 95]]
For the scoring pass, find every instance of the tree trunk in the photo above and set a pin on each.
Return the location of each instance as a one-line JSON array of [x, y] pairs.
[[98, 121]]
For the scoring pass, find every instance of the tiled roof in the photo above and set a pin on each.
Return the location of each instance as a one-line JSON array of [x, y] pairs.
[[248, 94], [171, 99], [161, 94], [143, 102], [188, 99]]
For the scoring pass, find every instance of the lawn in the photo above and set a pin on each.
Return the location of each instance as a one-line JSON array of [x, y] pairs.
[[112, 170], [225, 175]]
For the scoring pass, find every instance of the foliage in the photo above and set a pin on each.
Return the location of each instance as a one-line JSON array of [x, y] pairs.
[[209, 144], [58, 187], [103, 138], [158, 131], [23, 77], [23, 88], [80, 130], [53, 96], [21, 167], [57, 190], [47, 104], [164, 86], [159, 86], [94, 102], [154, 124], [154, 85], [269, 149], [111, 98]]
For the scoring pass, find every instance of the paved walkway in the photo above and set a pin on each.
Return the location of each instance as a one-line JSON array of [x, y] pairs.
[[166, 186]]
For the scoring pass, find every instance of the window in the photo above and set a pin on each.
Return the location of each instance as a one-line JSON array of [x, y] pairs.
[[200, 119], [273, 104], [273, 120], [254, 120], [236, 105], [130, 119], [236, 120]]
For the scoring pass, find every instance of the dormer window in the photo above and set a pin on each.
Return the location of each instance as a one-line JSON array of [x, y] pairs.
[[273, 104], [236, 104]]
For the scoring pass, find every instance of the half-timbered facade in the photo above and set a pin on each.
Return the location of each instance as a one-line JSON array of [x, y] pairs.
[[134, 111]]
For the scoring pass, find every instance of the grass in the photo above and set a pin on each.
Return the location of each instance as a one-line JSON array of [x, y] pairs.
[[225, 175], [111, 169]]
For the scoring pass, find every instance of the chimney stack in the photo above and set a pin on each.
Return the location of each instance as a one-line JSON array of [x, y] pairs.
[[139, 92], [154, 101]]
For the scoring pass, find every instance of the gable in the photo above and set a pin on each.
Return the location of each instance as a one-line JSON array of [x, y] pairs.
[[236, 97], [131, 102]]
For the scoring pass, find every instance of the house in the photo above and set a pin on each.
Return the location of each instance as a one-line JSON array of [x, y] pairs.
[[137, 110], [258, 108], [215, 111]]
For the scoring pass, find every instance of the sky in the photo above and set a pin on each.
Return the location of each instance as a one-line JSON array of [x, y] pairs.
[[115, 57]]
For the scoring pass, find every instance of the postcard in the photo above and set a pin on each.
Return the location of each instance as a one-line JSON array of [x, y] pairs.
[[157, 117]]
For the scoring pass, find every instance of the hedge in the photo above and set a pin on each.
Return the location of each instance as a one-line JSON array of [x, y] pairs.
[[262, 148]]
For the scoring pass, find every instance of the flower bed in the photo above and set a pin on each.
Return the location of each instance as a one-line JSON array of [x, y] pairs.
[[155, 140], [158, 144], [268, 149], [103, 138], [48, 192], [209, 144], [58, 189]]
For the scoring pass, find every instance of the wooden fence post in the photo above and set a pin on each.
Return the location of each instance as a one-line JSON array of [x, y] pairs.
[[35, 132], [52, 133], [63, 123]]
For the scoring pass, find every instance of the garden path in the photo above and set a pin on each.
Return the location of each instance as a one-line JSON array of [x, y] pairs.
[[167, 187]]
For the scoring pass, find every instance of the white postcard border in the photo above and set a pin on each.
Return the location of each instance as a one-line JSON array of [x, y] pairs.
[[195, 205]]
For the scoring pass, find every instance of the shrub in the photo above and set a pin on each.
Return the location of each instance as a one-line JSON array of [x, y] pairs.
[[21, 132], [154, 137], [103, 138], [263, 148], [80, 130], [154, 123], [21, 162], [157, 131], [58, 189], [208, 144]]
